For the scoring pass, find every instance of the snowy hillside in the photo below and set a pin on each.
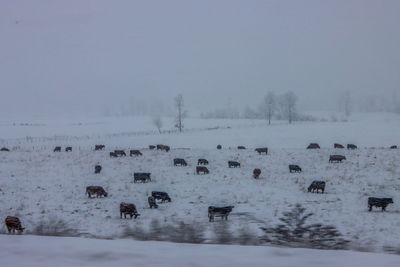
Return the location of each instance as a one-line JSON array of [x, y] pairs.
[[29, 251], [40, 186]]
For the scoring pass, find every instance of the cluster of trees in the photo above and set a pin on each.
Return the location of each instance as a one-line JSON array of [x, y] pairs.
[[272, 106]]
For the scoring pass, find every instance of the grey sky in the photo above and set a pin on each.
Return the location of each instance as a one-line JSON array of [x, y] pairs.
[[82, 56]]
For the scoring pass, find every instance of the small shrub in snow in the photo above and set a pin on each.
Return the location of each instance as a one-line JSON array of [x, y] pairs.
[[54, 227], [294, 232]]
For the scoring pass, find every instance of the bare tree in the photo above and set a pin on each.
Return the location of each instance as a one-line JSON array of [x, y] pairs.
[[288, 106], [181, 113], [158, 122], [268, 106], [347, 103]]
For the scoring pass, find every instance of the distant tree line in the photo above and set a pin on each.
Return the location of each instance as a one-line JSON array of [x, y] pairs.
[[272, 106]]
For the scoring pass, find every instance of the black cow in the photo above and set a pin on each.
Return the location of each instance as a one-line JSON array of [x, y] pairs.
[[128, 208], [351, 146], [151, 147], [135, 153], [99, 147], [379, 202], [393, 147], [97, 169], [241, 147], [202, 169], [202, 162], [294, 168], [68, 149], [143, 177], [338, 146], [256, 173], [5, 149], [120, 153], [262, 150], [313, 146], [233, 164], [152, 202], [163, 147], [57, 149], [180, 162], [317, 185], [96, 190], [13, 223], [113, 155], [161, 195], [222, 212], [336, 158], [219, 147]]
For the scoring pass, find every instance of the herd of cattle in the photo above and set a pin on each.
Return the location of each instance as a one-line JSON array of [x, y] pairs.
[[14, 224]]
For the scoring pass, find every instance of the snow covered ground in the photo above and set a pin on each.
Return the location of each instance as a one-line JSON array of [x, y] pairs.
[[31, 251], [38, 185]]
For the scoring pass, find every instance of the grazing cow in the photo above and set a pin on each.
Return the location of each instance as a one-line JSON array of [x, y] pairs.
[[5, 149], [13, 223], [202, 162], [338, 146], [128, 208], [219, 147], [57, 149], [222, 212], [96, 190], [163, 147], [336, 158], [180, 162], [152, 202], [317, 185], [262, 150], [233, 164], [143, 177], [241, 147], [313, 146], [68, 149], [161, 195], [202, 169], [256, 173], [97, 169], [351, 146], [151, 147], [393, 147], [294, 168], [135, 153], [120, 153], [99, 147], [379, 202], [113, 155]]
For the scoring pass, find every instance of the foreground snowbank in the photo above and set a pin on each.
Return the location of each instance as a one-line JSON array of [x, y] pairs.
[[60, 251]]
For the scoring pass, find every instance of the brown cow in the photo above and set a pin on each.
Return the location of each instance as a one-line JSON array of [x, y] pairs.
[[256, 173], [96, 190], [12, 224], [128, 208]]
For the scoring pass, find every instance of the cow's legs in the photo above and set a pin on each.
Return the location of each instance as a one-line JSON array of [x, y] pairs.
[[370, 208]]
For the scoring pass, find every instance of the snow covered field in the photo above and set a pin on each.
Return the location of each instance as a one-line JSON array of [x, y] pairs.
[[31, 251], [38, 185]]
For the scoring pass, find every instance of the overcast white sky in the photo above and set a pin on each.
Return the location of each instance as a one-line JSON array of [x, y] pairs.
[[81, 55]]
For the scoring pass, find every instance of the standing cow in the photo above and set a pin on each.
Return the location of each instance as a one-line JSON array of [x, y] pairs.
[[233, 164], [379, 202], [256, 173], [13, 224], [202, 169], [317, 185], [128, 208], [96, 190]]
